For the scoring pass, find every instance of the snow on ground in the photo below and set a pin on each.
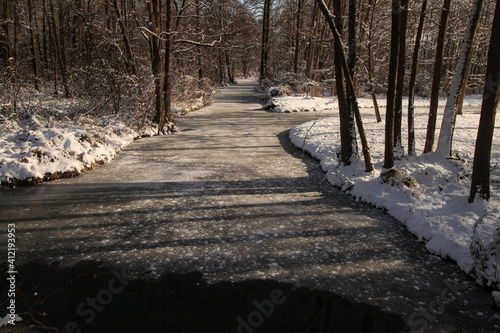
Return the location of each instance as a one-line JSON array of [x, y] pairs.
[[287, 104], [49, 137], [436, 209], [299, 104]]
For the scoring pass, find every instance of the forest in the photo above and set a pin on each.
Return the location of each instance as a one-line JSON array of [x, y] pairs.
[[150, 60]]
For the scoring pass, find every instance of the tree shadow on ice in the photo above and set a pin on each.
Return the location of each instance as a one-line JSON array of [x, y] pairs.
[[89, 297]]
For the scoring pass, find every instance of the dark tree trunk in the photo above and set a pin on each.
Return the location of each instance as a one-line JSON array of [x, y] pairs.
[[228, 67], [413, 78], [34, 51], [156, 47], [14, 63], [5, 35], [59, 42], [364, 142], [347, 130], [436, 80], [168, 118], [312, 44], [297, 38], [265, 40], [373, 4], [351, 59], [129, 54], [491, 96], [398, 103], [391, 88]]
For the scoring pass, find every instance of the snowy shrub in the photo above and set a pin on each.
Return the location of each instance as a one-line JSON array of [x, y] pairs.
[[485, 250]]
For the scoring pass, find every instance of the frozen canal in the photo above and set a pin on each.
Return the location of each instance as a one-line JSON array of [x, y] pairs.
[[229, 197]]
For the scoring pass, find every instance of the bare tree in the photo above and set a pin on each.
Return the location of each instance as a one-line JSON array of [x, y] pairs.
[[436, 81], [266, 19], [129, 54], [4, 36], [413, 78], [491, 97], [34, 50], [297, 37], [364, 142], [347, 126], [398, 102], [459, 80], [391, 87]]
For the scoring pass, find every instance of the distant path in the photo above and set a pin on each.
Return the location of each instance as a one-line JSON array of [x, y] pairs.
[[230, 197]]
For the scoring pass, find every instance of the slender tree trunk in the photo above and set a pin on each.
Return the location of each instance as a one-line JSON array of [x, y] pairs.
[[265, 40], [156, 47], [351, 59], [391, 88], [436, 81], [129, 54], [398, 103], [297, 38], [14, 63], [5, 46], [464, 88], [459, 81], [228, 67], [347, 129], [373, 4], [199, 56], [491, 97], [45, 39], [59, 47], [34, 50], [167, 87], [364, 142], [312, 44], [413, 78]]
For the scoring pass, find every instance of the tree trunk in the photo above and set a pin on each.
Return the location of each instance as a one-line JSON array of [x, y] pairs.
[[155, 45], [413, 78], [168, 118], [4, 37], [436, 80], [398, 103], [364, 142], [459, 81], [129, 54], [391, 88], [199, 55], [351, 59], [347, 129], [312, 44], [491, 96], [34, 51], [14, 63], [297, 38], [371, 33], [228, 67], [265, 40], [59, 45]]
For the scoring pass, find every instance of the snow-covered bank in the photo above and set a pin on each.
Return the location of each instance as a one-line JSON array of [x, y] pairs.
[[436, 208], [46, 137], [287, 104], [299, 104], [35, 149]]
